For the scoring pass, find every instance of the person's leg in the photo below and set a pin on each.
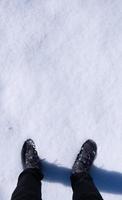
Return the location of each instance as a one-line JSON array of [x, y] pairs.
[[84, 187], [81, 181], [29, 181], [28, 186]]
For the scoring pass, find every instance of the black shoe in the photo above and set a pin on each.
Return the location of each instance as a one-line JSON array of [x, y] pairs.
[[85, 157], [30, 158]]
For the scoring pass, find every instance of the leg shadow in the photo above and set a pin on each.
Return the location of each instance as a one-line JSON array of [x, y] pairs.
[[54, 173], [106, 181]]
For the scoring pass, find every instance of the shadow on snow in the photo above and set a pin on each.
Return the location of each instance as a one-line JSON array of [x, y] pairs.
[[106, 181]]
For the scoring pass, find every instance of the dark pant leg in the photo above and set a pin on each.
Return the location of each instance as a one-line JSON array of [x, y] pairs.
[[84, 188], [28, 186]]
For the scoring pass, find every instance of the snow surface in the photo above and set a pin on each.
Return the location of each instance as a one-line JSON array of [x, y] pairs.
[[60, 84]]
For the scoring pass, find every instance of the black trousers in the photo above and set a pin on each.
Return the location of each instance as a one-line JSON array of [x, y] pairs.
[[29, 186]]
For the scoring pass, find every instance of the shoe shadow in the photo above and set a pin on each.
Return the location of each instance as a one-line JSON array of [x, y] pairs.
[[106, 181]]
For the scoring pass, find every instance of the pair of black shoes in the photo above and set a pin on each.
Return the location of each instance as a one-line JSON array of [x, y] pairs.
[[83, 162]]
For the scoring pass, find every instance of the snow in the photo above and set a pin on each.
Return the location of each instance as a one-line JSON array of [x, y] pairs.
[[60, 84]]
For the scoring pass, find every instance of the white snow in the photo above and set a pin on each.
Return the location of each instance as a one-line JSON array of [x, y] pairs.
[[60, 84]]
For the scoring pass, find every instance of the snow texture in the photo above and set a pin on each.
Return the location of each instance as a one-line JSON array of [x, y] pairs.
[[60, 84]]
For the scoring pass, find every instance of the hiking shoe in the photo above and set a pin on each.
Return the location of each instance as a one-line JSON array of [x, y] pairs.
[[85, 157], [30, 158]]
